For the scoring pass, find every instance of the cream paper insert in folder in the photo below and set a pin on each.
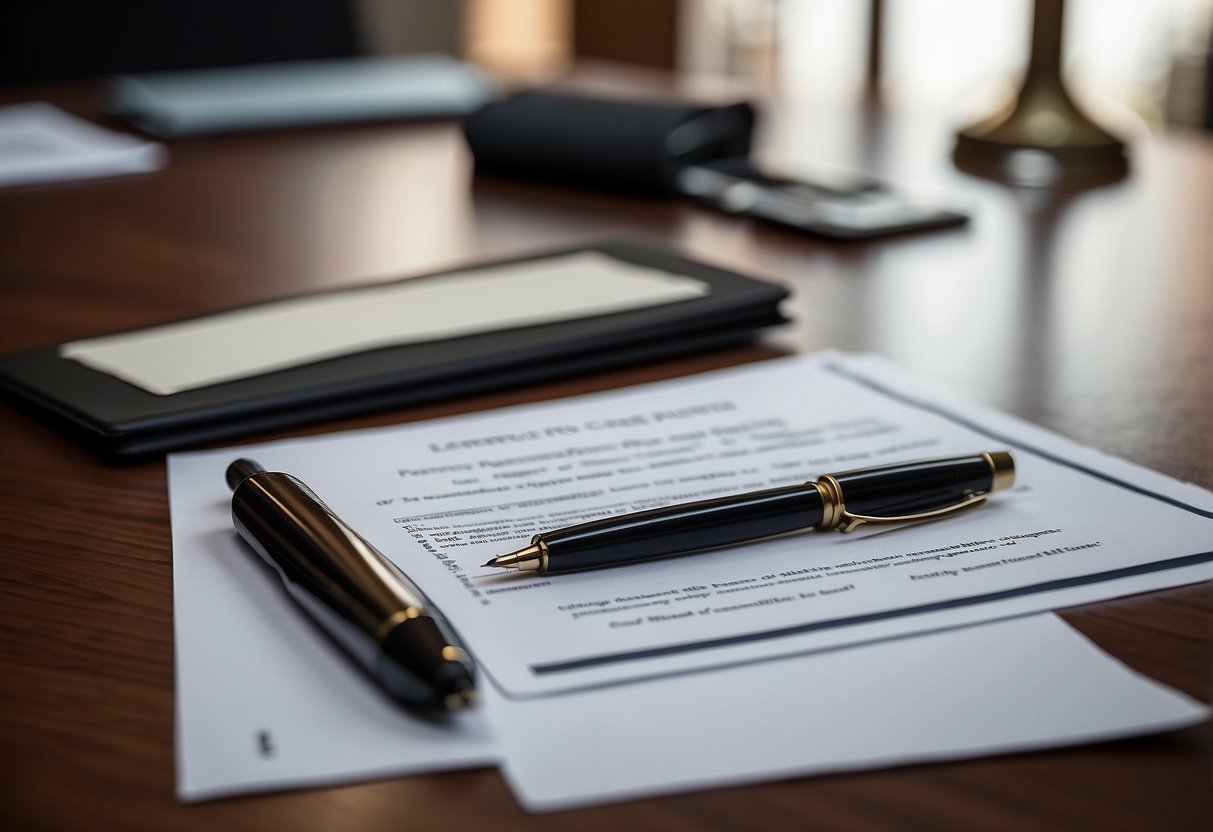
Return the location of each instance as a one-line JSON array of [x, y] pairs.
[[254, 340]]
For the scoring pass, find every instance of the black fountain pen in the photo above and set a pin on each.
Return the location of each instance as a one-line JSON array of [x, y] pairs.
[[356, 595], [907, 492]]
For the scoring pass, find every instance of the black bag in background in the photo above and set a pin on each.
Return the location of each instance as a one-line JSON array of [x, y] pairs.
[[633, 146]]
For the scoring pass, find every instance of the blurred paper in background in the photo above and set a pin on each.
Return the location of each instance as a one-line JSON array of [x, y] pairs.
[[41, 143]]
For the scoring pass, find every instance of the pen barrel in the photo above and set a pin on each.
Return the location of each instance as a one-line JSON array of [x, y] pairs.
[[895, 490], [355, 594], [661, 532]]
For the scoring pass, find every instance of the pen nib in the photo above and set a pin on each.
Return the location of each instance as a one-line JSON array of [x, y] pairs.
[[490, 562], [533, 558]]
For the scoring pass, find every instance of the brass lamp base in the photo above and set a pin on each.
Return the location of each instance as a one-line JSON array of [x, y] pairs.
[[1044, 139], [1041, 143]]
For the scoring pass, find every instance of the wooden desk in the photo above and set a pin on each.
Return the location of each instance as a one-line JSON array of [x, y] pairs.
[[1090, 313]]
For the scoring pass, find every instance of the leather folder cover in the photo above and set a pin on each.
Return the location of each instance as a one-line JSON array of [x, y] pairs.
[[118, 419]]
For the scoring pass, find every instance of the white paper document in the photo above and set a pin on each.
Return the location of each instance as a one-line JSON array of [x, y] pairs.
[[287, 333], [41, 143], [991, 688], [440, 498]]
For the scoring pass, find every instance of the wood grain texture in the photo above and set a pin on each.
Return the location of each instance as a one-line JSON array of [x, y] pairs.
[[1090, 313]]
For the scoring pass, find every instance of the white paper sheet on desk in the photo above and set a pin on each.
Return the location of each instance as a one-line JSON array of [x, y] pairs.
[[264, 702], [41, 143], [242, 650], [991, 688]]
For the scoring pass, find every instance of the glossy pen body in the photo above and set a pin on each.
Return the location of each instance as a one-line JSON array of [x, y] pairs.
[[901, 493], [355, 594]]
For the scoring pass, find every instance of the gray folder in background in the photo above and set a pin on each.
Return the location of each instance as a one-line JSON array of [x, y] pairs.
[[266, 96]]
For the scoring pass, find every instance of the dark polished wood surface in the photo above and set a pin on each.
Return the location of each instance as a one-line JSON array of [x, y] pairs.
[[1088, 312]]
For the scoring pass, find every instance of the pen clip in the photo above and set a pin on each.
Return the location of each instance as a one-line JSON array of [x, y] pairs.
[[848, 522]]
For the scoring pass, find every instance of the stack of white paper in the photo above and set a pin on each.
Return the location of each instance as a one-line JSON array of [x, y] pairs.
[[709, 669]]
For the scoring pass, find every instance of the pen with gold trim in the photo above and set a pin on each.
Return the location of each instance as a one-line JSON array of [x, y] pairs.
[[356, 595], [905, 492]]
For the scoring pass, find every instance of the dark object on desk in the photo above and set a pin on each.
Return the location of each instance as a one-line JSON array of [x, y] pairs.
[[908, 492], [634, 146], [678, 150], [851, 210], [118, 419], [356, 595], [1045, 139]]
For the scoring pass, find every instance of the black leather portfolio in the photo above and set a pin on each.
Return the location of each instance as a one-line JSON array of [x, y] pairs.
[[120, 419]]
